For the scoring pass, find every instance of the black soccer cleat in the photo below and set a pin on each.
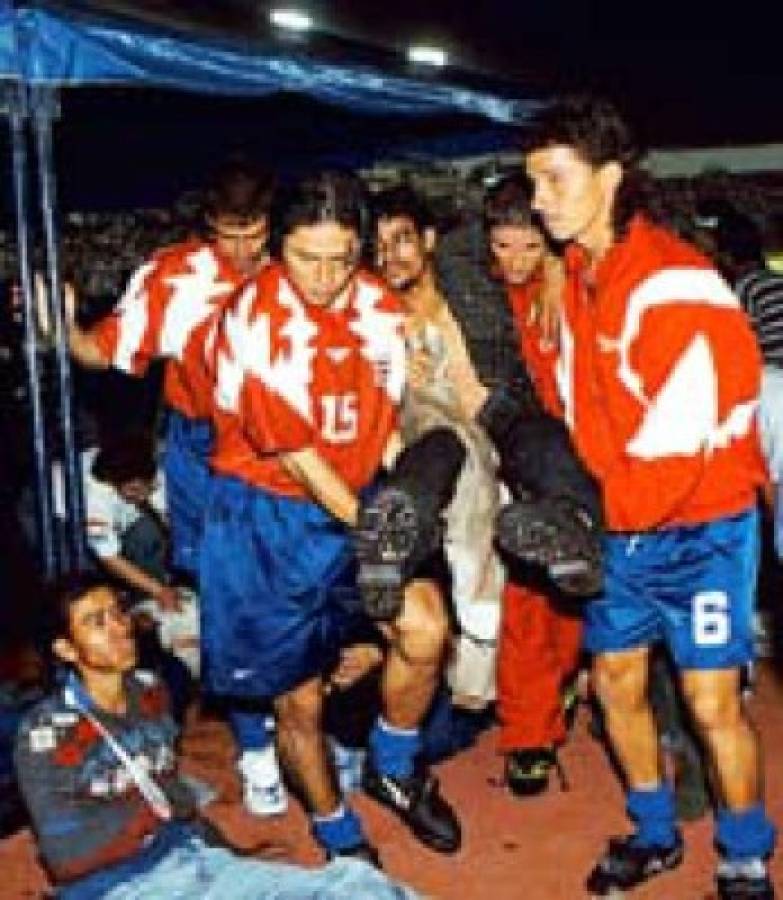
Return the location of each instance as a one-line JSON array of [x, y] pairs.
[[625, 865], [557, 535], [386, 537], [528, 770], [401, 526], [748, 880], [417, 801]]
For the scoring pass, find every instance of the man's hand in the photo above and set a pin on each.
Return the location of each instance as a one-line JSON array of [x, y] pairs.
[[545, 310], [355, 662], [43, 307], [420, 368]]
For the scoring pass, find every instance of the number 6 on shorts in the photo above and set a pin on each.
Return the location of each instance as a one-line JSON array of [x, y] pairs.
[[711, 622]]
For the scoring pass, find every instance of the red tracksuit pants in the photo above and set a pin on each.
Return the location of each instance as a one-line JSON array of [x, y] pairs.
[[539, 649]]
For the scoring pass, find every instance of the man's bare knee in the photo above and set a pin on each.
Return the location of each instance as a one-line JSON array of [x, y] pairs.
[[620, 679], [421, 630], [301, 709], [714, 700]]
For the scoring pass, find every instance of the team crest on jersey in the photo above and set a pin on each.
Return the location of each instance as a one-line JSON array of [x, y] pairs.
[[382, 343]]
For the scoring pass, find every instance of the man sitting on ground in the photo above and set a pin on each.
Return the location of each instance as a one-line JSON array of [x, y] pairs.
[[97, 768]]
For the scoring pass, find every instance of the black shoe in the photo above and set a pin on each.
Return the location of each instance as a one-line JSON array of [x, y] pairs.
[[744, 881], [557, 535], [365, 852], [386, 536], [401, 527], [417, 802], [626, 865], [527, 771]]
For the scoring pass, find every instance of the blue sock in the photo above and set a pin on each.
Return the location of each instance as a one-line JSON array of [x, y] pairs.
[[655, 817], [393, 750], [744, 835], [250, 728], [339, 831]]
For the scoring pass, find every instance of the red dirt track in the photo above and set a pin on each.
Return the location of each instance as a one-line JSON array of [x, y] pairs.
[[537, 849]]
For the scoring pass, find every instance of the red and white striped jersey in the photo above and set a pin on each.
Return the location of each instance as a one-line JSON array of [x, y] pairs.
[[659, 374], [290, 375], [166, 313]]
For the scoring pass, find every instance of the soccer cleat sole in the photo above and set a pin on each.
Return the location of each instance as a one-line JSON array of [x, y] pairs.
[[541, 536], [385, 539]]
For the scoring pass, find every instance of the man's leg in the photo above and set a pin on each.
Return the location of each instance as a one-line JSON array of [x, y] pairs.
[[400, 525], [417, 644], [417, 639], [678, 741], [620, 680], [744, 834], [529, 677], [262, 784], [304, 753], [555, 520], [302, 745], [710, 633]]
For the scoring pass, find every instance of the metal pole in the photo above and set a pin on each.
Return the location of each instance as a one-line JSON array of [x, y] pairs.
[[45, 106], [15, 96]]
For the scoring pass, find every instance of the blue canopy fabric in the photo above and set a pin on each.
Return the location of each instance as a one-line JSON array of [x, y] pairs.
[[46, 47]]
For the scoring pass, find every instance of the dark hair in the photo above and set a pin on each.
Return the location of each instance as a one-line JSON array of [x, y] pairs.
[[402, 200], [595, 129], [508, 202], [124, 458], [328, 196], [240, 190], [739, 238], [591, 125], [70, 589]]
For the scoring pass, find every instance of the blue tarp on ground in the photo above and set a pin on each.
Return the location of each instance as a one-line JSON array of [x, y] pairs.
[[45, 46]]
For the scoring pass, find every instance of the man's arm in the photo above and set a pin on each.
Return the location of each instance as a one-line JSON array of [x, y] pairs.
[[328, 488], [136, 577], [698, 371], [392, 449], [471, 392], [68, 825], [84, 348], [82, 345]]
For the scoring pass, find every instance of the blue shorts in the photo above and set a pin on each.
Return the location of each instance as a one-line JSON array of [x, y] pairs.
[[185, 465], [692, 587], [278, 591]]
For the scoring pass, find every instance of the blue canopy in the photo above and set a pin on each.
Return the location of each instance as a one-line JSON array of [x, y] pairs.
[[43, 46]]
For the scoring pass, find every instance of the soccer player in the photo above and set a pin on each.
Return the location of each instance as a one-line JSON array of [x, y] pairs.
[[167, 312], [310, 365], [659, 377]]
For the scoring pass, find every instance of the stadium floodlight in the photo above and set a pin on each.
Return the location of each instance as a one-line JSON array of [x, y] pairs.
[[428, 56], [291, 19]]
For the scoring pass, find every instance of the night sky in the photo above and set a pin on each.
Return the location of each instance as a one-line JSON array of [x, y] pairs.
[[686, 80], [691, 72]]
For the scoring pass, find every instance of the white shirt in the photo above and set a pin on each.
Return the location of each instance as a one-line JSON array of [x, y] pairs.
[[108, 516]]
